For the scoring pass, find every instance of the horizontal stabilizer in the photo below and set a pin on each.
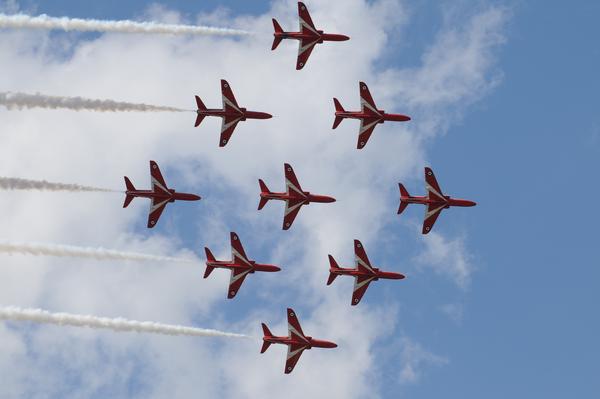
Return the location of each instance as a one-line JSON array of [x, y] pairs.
[[208, 271], [402, 207], [264, 190], [333, 266], [265, 346], [209, 256], [199, 120], [129, 184], [403, 194], [200, 104], [128, 199], [278, 31]]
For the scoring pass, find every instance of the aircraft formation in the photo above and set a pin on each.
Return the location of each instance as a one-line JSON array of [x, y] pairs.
[[240, 265]]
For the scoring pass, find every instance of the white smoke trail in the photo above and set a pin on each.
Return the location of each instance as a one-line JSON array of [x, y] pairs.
[[125, 26], [118, 324], [38, 249], [12, 183], [20, 101]]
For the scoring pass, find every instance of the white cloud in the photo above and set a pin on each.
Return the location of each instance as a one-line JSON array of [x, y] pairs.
[[414, 358], [98, 149], [447, 257]]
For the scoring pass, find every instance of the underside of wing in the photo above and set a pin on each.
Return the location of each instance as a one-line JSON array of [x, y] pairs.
[[305, 48], [157, 206], [237, 250], [229, 102], [306, 23], [291, 182], [366, 129], [367, 104], [156, 179], [292, 207], [434, 191], [294, 328], [227, 128], [236, 280], [293, 355], [361, 283], [431, 214], [361, 259]]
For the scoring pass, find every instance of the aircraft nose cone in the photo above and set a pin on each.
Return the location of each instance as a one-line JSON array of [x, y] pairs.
[[196, 197]]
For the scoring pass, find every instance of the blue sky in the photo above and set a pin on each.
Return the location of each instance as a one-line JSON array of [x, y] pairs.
[[526, 148]]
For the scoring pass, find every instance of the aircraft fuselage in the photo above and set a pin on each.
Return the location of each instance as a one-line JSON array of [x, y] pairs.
[[383, 116], [449, 201], [377, 274], [253, 267], [321, 37], [172, 196], [308, 198], [309, 343], [245, 114]]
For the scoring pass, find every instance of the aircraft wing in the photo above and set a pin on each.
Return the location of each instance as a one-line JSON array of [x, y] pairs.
[[361, 283], [294, 328], [291, 182], [237, 250], [227, 128], [366, 129], [229, 102], [156, 179], [306, 23], [236, 280], [367, 104], [361, 259], [431, 214], [433, 188], [292, 207], [305, 48], [293, 355], [157, 206]]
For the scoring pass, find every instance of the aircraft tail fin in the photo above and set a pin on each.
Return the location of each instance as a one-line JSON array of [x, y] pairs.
[[338, 108], [209, 258], [268, 334], [201, 107], [403, 194], [128, 197], [263, 190], [278, 32], [333, 266]]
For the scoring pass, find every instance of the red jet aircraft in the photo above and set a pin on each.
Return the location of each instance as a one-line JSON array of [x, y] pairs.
[[231, 113], [160, 194], [296, 341], [294, 197], [240, 265], [369, 115], [435, 200], [308, 36], [363, 274]]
